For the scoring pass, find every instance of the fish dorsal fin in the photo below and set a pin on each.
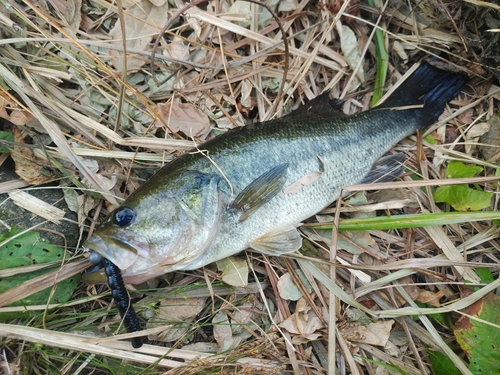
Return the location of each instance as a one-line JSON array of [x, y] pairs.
[[322, 104], [281, 241], [386, 169], [260, 191]]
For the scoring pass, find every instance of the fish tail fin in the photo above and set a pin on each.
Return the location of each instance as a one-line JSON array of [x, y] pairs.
[[429, 86]]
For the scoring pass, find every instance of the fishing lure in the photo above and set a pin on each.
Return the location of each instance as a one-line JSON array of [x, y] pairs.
[[120, 295]]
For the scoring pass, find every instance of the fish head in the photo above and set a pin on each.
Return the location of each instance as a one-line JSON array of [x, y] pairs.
[[155, 232]]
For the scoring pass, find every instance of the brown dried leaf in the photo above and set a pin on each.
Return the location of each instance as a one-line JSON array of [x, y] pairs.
[[491, 139], [466, 117], [430, 298], [18, 116], [176, 310], [376, 333], [183, 117], [231, 332], [27, 165], [410, 287], [21, 117], [303, 322], [222, 331], [85, 204]]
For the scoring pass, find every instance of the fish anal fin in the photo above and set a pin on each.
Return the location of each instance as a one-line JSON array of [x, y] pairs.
[[284, 240], [260, 191]]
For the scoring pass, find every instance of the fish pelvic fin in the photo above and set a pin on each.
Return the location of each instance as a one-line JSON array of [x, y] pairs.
[[429, 87], [259, 191], [281, 241], [386, 169]]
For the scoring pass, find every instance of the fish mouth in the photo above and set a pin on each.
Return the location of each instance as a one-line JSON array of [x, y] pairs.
[[121, 252]]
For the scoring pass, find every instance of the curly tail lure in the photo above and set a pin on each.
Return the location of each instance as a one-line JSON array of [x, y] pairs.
[[120, 296]]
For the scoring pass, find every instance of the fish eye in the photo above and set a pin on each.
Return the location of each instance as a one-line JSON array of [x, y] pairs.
[[123, 216]]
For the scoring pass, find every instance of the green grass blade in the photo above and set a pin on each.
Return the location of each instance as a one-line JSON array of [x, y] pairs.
[[409, 221]]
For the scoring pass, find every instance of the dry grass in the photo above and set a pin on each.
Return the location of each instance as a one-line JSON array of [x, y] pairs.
[[97, 129]]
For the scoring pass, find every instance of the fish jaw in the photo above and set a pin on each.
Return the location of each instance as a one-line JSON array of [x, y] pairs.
[[132, 257], [123, 253]]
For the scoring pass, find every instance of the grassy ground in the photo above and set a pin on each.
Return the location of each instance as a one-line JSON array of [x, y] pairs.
[[377, 295]]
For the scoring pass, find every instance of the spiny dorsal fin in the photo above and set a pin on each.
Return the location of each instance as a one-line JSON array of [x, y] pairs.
[[322, 104], [260, 191]]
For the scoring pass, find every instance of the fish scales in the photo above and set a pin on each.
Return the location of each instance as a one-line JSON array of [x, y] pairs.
[[259, 181]]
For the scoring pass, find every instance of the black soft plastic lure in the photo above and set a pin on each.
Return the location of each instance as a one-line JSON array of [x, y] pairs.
[[120, 296]]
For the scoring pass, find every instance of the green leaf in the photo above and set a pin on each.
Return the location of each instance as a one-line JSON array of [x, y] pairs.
[[480, 338], [442, 364], [430, 139], [30, 249], [463, 198], [457, 169], [8, 136], [485, 275]]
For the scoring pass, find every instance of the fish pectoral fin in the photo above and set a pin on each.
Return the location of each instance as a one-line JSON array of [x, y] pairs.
[[278, 242], [260, 191], [386, 169]]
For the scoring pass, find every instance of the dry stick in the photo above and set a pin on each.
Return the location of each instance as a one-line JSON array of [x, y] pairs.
[[285, 314], [41, 282]]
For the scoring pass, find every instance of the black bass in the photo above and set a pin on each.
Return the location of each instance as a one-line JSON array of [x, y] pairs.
[[250, 187]]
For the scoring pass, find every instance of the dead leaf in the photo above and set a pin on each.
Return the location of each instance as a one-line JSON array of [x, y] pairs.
[[232, 330], [376, 333], [491, 140], [430, 298], [234, 271], [21, 117], [143, 21], [303, 322], [85, 204], [178, 312], [466, 117], [27, 166], [17, 115], [222, 331], [183, 117], [287, 289], [410, 288], [203, 347], [288, 5], [350, 47], [245, 318], [73, 13], [176, 49], [472, 136]]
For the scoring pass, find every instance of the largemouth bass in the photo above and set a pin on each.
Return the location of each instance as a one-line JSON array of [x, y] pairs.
[[250, 187]]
